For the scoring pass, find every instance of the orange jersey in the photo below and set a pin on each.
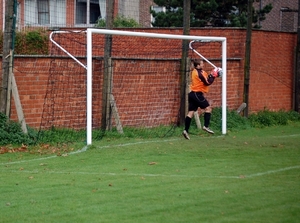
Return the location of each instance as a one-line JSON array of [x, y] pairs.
[[197, 85]]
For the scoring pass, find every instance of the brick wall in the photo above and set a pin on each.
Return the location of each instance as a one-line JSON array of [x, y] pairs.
[[31, 76], [153, 99], [272, 70]]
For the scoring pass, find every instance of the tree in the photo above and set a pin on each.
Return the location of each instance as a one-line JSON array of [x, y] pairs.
[[213, 13]]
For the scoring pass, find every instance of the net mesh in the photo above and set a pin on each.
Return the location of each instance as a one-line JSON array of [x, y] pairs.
[[65, 99], [146, 80]]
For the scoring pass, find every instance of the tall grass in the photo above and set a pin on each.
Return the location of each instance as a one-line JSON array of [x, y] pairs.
[[11, 132]]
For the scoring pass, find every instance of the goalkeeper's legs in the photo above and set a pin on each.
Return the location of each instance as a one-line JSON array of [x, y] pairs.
[[207, 115], [188, 120]]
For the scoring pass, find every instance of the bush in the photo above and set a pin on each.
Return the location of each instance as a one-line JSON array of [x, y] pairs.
[[269, 118], [234, 120], [11, 133], [33, 42], [119, 22], [259, 120]]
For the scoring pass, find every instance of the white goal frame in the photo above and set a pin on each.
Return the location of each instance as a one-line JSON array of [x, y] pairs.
[[88, 67], [91, 31]]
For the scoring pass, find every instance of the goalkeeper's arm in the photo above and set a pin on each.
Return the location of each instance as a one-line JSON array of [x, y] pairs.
[[210, 79], [216, 72], [207, 81]]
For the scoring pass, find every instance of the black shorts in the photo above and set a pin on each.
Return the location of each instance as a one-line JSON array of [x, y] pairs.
[[197, 100]]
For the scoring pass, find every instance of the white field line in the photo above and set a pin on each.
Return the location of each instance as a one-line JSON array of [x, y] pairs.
[[155, 175], [294, 135], [45, 158], [109, 146], [117, 174], [85, 149], [272, 171], [136, 143], [148, 175]]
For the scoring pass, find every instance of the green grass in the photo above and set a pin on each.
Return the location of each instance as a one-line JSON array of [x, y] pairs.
[[250, 175]]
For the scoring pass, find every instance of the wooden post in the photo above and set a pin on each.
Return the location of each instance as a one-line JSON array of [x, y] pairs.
[[183, 65], [297, 75], [187, 83], [116, 114], [7, 45], [197, 120], [247, 57], [18, 104], [109, 93], [107, 73], [8, 98]]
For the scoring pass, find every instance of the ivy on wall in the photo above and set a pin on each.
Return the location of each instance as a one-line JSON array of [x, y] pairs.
[[33, 42]]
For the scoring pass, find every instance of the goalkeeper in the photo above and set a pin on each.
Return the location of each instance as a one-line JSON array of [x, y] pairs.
[[199, 86]]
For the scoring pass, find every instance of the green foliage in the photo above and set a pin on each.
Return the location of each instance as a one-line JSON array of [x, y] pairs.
[[11, 133], [260, 15], [59, 135], [215, 13], [101, 23], [119, 22], [268, 118], [234, 120], [170, 18], [33, 42], [133, 132], [258, 120]]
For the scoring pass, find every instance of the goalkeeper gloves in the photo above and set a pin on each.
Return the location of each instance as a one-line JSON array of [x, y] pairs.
[[217, 72]]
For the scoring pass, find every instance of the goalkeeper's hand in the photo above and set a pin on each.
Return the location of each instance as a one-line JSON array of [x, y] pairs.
[[214, 73], [217, 72]]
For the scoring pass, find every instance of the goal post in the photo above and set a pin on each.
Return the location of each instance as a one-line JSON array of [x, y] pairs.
[[146, 75], [89, 39]]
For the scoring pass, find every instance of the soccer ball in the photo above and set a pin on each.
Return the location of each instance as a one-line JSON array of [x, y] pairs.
[[220, 71]]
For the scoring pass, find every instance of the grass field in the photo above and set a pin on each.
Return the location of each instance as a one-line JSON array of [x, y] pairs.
[[247, 176]]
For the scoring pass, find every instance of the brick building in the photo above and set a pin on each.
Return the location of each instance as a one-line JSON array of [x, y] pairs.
[[77, 13], [283, 17], [74, 13]]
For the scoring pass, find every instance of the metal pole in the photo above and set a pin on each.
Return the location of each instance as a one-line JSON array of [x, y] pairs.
[[224, 86], [88, 5], [247, 58], [183, 65], [297, 75], [89, 88]]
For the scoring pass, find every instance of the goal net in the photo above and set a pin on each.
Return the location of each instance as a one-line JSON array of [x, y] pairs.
[[140, 80]]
